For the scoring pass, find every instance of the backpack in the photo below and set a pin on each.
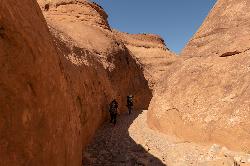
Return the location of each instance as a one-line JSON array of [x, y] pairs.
[[113, 107], [129, 101]]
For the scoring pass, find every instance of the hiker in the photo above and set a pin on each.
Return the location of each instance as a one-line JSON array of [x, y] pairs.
[[130, 103], [113, 111], [46, 7]]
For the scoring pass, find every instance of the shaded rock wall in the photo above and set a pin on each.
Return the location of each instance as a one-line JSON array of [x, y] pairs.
[[204, 97], [98, 66], [39, 124], [93, 84]]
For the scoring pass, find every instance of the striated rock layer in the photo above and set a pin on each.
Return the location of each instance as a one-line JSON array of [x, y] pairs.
[[151, 51], [204, 97], [56, 86]]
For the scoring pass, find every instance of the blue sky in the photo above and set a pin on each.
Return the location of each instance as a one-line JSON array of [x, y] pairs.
[[175, 20]]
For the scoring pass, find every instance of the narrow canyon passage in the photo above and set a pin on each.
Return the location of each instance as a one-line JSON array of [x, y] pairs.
[[62, 63], [113, 145]]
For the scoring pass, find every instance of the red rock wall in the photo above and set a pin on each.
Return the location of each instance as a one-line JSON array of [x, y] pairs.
[[39, 124]]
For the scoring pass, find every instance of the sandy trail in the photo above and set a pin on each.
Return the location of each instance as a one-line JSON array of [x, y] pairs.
[[132, 142]]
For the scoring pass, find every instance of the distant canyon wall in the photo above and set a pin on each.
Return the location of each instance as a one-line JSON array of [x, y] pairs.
[[151, 51]]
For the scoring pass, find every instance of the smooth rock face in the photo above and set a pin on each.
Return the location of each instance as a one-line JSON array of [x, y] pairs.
[[39, 124], [225, 30], [97, 66], [151, 51], [204, 97]]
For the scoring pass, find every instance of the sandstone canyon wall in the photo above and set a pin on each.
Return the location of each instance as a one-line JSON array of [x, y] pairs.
[[39, 124], [98, 67], [205, 95], [56, 83]]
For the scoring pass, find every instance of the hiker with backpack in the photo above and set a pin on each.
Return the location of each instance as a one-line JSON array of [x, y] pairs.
[[113, 106], [130, 103]]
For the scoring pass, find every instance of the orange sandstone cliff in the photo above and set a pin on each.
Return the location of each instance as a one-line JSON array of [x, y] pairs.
[[204, 97], [225, 31]]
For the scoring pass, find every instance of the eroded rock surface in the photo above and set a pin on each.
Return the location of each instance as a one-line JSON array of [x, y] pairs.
[[150, 50], [204, 97], [226, 29]]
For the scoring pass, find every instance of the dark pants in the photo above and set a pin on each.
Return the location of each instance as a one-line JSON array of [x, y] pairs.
[[113, 118], [129, 109]]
